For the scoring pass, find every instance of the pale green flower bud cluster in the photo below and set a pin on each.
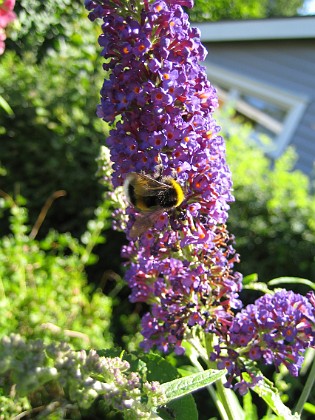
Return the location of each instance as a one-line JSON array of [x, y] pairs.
[[105, 170], [115, 196], [73, 379]]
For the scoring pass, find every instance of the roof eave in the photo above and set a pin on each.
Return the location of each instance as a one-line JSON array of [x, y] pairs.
[[260, 29]]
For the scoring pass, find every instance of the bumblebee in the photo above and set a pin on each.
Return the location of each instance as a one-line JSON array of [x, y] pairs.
[[151, 197]]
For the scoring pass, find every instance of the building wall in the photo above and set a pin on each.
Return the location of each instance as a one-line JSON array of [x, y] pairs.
[[285, 64]]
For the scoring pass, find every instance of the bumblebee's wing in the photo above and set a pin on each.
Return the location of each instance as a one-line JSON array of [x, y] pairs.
[[145, 186], [144, 222]]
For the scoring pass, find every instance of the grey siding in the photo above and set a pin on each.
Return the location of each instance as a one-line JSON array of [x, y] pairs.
[[289, 65], [304, 141]]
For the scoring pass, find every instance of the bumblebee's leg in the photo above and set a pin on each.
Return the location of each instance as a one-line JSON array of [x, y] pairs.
[[158, 170], [174, 174]]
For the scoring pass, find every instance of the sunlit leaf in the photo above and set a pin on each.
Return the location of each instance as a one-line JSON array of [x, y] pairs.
[[188, 384], [291, 280]]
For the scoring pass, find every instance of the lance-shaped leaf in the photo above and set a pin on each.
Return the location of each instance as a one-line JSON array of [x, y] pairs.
[[183, 386], [271, 396]]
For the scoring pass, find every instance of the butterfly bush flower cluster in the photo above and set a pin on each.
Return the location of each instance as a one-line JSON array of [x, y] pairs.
[[276, 330], [6, 16], [160, 103]]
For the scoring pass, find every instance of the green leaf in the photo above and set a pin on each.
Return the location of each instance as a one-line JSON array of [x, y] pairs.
[[183, 386], [251, 282], [271, 396], [291, 280], [159, 369], [310, 408], [183, 409], [250, 278], [259, 286], [250, 409], [4, 105]]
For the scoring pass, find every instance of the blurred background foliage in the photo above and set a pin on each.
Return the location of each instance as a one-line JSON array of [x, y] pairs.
[[44, 292], [272, 217], [51, 76], [239, 9]]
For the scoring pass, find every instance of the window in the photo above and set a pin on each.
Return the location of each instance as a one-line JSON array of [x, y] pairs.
[[274, 113]]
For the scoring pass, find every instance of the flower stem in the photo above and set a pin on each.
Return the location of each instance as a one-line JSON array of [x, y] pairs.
[[306, 391], [229, 401], [224, 399]]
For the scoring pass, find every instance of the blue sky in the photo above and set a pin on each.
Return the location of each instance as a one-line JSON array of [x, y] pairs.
[[309, 7]]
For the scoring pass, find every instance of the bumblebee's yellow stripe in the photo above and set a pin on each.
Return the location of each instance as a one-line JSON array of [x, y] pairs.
[[179, 192]]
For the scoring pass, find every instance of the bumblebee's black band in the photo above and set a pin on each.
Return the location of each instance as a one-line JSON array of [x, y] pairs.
[[167, 199], [132, 195]]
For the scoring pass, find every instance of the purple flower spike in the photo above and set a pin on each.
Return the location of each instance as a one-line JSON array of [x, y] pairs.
[[182, 263]]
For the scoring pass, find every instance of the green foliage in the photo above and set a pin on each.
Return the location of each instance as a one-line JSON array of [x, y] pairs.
[[43, 287], [11, 407], [52, 138], [239, 9], [41, 24], [273, 214]]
